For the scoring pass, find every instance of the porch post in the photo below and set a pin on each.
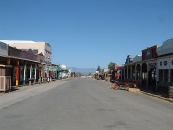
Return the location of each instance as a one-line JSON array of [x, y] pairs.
[[135, 72], [140, 75], [148, 75], [131, 73], [169, 75], [17, 74], [121, 74], [30, 76], [35, 75], [127, 72], [24, 74], [124, 73], [163, 77], [39, 74]]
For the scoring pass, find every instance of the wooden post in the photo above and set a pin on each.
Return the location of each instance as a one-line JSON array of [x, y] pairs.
[[30, 76], [24, 74], [127, 72], [169, 75], [35, 75], [17, 74], [147, 75], [135, 71], [131, 72], [124, 73]]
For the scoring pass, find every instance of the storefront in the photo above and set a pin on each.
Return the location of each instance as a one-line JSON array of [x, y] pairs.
[[17, 67], [5, 68], [165, 72], [149, 64], [165, 66]]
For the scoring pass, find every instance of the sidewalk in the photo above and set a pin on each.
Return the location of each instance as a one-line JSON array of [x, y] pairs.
[[157, 96], [7, 99], [136, 90]]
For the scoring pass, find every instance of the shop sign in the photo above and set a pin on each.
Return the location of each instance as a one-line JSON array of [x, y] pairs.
[[149, 53]]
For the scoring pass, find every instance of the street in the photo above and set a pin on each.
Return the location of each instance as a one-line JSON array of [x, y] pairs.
[[85, 104]]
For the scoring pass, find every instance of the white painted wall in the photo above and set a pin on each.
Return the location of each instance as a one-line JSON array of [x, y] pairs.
[[169, 60]]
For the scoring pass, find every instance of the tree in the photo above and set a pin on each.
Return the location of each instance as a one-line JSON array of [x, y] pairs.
[[111, 66], [99, 68], [102, 70], [66, 70], [89, 74]]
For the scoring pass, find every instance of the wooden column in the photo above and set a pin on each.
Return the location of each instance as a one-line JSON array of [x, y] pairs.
[[131, 72], [147, 75], [30, 76], [35, 71], [135, 71], [163, 75], [127, 72], [124, 73], [169, 75], [121, 74], [24, 74], [17, 74]]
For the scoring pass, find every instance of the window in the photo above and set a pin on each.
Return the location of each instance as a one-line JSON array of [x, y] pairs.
[[165, 63], [160, 63]]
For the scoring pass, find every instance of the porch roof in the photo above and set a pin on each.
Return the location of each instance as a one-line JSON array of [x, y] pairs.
[[13, 57]]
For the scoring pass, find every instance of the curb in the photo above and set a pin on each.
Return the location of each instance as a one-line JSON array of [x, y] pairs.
[[151, 95], [29, 87], [157, 96]]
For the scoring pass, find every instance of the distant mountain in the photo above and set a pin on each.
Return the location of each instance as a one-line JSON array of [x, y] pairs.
[[83, 70]]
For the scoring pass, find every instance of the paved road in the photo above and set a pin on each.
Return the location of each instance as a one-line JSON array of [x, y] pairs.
[[84, 104]]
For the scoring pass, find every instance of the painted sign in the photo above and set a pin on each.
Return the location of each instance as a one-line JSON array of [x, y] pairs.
[[149, 53]]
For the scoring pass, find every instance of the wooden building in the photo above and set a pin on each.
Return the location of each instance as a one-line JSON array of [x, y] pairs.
[[165, 66], [18, 67]]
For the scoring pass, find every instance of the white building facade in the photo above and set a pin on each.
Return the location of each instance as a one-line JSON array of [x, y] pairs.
[[165, 64]]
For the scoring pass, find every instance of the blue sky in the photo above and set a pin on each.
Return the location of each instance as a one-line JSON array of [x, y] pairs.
[[87, 33]]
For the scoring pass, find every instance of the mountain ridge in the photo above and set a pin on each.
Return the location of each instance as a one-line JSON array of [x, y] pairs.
[[83, 70]]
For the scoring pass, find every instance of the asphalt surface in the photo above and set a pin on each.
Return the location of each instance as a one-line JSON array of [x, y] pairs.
[[84, 104]]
